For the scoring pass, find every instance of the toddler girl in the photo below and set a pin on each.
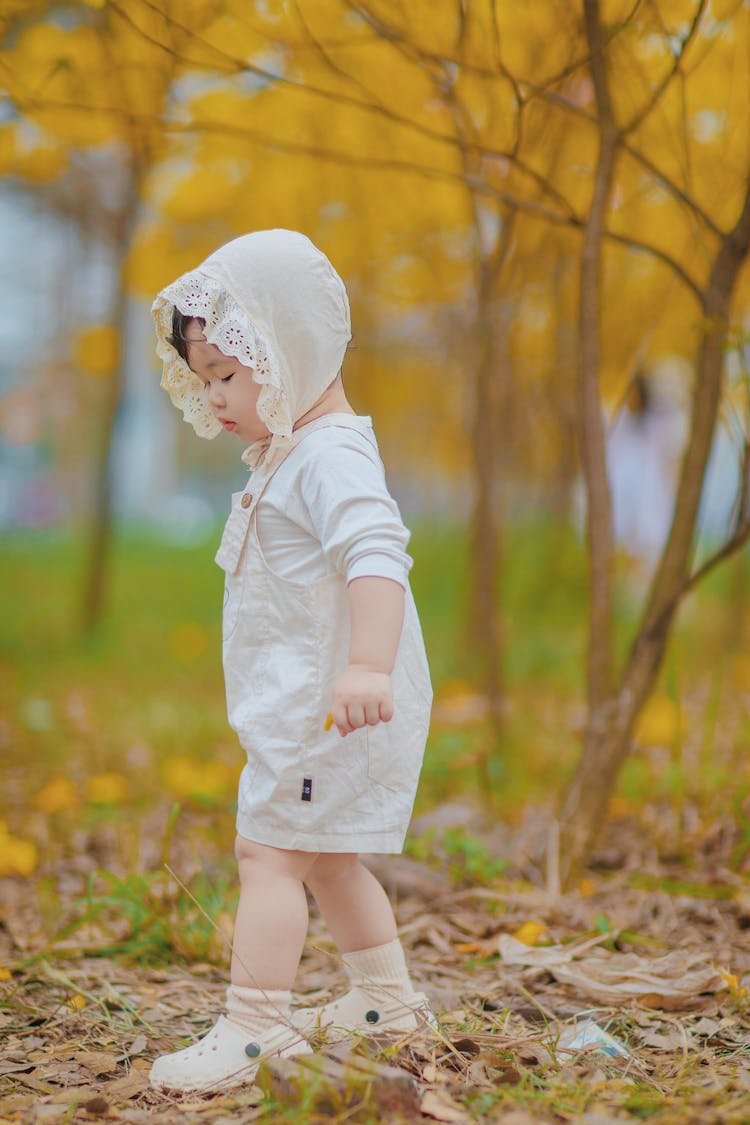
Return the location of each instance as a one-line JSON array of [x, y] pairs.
[[318, 619]]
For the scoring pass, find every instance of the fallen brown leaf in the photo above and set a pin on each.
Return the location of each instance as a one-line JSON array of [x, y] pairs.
[[442, 1107], [128, 1087], [97, 1106], [98, 1062]]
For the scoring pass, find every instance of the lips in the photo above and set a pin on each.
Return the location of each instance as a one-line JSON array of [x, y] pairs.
[[227, 424]]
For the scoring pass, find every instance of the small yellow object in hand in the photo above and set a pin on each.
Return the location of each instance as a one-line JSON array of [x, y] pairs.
[[329, 721]]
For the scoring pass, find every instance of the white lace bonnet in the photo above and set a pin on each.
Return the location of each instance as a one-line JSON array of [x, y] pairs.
[[273, 301]]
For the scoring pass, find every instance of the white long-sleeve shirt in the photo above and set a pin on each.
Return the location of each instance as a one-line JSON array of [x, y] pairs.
[[327, 509], [286, 639]]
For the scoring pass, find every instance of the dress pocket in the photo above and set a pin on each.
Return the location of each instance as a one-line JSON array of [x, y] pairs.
[[382, 756], [395, 749], [233, 584]]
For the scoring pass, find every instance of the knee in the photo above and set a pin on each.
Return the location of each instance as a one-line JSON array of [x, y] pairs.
[[332, 868], [244, 850], [262, 858]]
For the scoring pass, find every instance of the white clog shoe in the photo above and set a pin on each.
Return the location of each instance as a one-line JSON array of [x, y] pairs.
[[227, 1056], [357, 1013]]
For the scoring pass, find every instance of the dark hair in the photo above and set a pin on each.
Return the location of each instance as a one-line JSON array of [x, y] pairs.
[[178, 339]]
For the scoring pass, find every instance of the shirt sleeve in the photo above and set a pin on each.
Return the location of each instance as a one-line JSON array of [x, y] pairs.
[[344, 494]]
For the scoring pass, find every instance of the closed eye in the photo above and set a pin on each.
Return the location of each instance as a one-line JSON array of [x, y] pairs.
[[224, 379]]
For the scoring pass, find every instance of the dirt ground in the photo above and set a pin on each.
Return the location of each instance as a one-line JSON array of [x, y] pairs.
[[659, 962]]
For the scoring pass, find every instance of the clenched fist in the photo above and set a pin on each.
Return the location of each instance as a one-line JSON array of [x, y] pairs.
[[362, 697]]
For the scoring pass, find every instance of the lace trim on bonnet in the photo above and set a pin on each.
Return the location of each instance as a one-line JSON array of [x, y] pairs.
[[229, 328]]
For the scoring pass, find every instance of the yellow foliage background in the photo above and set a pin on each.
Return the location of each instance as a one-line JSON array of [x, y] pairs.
[[405, 140]]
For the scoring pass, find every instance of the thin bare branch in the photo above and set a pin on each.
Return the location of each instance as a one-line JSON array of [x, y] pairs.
[[393, 35], [374, 109], [323, 52], [674, 189], [478, 184], [554, 98], [661, 256], [438, 66], [495, 34], [738, 540], [239, 66], [740, 524], [741, 508], [639, 117]]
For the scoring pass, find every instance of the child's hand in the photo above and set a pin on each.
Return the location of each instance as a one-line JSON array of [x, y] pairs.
[[362, 696]]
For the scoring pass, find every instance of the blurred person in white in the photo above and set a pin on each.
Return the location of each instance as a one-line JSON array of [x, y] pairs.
[[326, 676]]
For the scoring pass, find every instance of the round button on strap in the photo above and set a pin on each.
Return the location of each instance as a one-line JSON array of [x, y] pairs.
[[252, 1050]]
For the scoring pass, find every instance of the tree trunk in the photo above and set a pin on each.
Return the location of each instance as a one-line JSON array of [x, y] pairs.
[[605, 728], [100, 529], [600, 671], [485, 531], [610, 724]]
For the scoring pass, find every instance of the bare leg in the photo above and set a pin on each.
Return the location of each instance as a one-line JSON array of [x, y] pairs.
[[269, 933], [272, 918], [360, 919], [355, 907]]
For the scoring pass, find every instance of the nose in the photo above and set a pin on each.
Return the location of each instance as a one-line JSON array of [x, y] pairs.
[[215, 394]]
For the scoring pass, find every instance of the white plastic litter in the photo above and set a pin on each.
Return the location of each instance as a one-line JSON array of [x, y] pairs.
[[586, 1034]]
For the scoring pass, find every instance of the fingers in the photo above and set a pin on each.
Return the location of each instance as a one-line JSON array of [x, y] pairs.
[[354, 716], [386, 710], [361, 697], [341, 719], [350, 718]]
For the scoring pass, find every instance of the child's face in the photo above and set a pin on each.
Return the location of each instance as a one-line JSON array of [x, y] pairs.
[[230, 388]]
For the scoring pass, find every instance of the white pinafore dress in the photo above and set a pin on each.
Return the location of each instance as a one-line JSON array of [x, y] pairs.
[[284, 645]]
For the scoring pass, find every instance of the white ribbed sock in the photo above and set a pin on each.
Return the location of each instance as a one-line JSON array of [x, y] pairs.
[[381, 967], [256, 1010]]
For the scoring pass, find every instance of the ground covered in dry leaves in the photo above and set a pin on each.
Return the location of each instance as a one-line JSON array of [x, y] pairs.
[[516, 971]]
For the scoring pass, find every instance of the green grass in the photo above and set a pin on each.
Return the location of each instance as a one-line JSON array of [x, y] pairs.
[[151, 676], [144, 699]]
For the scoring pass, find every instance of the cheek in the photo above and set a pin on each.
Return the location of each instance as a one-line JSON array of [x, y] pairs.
[[255, 395]]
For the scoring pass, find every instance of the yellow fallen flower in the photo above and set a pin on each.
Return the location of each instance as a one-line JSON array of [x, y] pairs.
[[106, 789], [56, 796], [660, 723], [732, 982], [184, 777], [17, 856], [532, 933]]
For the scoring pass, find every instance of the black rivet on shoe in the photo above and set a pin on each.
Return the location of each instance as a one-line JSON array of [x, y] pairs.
[[252, 1050], [372, 1016]]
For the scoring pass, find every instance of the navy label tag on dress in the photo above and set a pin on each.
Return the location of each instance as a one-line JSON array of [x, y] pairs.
[[306, 789]]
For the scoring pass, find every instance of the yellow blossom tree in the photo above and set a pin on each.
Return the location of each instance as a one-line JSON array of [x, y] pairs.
[[90, 87], [557, 193], [613, 134]]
